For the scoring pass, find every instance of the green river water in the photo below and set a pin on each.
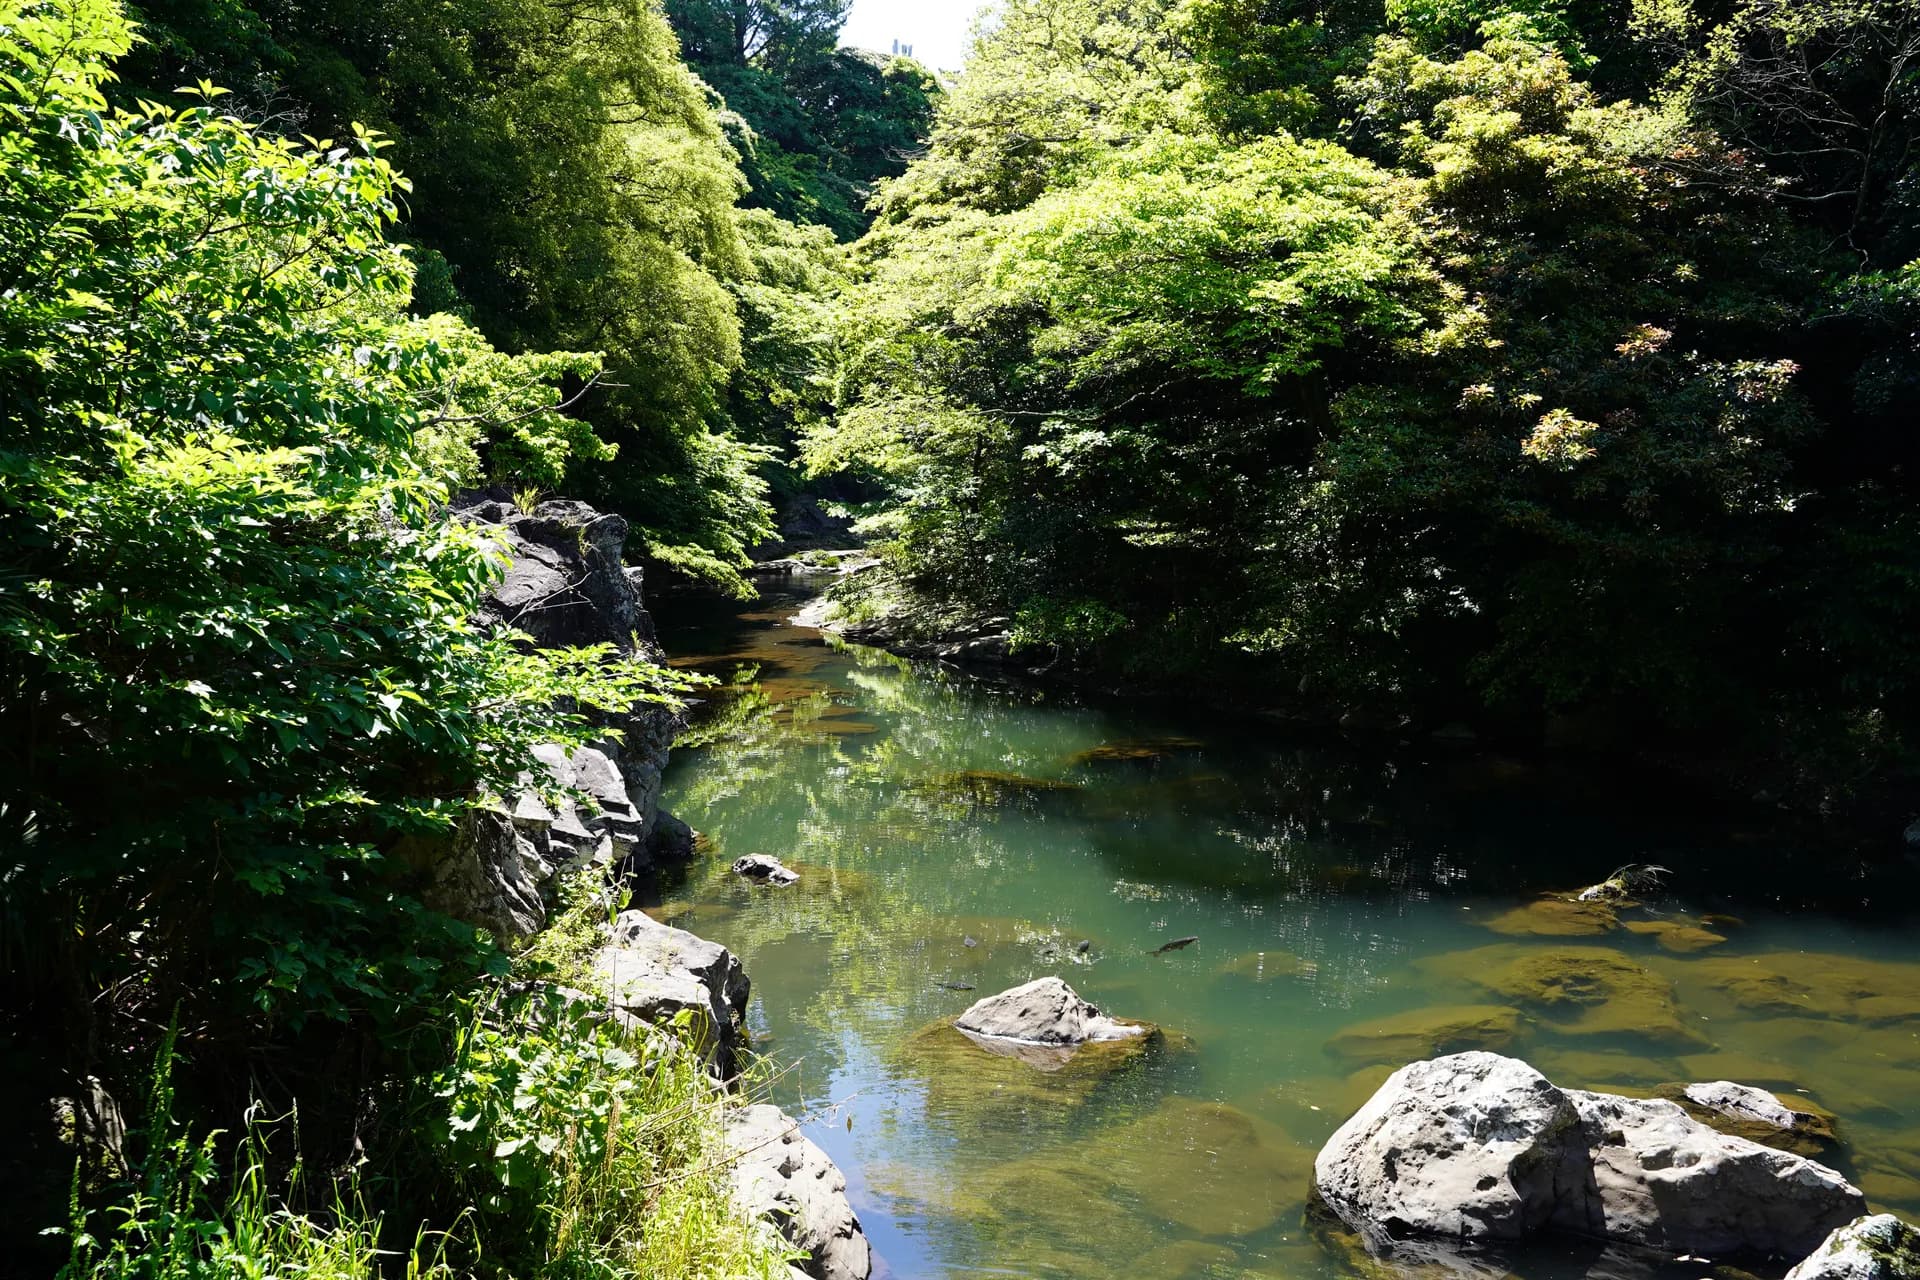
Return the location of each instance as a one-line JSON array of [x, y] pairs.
[[1356, 907]]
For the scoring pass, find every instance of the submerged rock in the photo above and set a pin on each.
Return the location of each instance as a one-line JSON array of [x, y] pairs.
[[655, 972], [1478, 1147], [1422, 1033], [764, 868], [1556, 918], [1881, 1247], [1579, 990], [1262, 966], [782, 1178], [1136, 751], [1047, 1012], [1816, 984], [1677, 935], [1205, 1166]]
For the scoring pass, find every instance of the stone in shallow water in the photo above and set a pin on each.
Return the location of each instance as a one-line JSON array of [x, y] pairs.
[[1676, 936], [1555, 918], [1045, 1011], [1205, 1166], [764, 868], [1422, 1033], [972, 1087], [1745, 1102], [1817, 984], [1580, 990]]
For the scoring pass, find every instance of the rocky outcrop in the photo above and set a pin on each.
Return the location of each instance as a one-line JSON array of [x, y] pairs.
[[654, 972], [564, 584], [1881, 1247], [1477, 1147], [781, 1177], [1045, 1011], [489, 875]]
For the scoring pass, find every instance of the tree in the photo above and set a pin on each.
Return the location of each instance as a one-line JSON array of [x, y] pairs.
[[231, 595]]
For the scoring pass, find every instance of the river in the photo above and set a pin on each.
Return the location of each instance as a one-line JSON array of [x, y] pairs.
[[1356, 906]]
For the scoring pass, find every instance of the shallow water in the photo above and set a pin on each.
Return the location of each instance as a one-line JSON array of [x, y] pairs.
[[1356, 906]]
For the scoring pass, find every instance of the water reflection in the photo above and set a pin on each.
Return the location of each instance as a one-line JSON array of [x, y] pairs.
[[1354, 910]]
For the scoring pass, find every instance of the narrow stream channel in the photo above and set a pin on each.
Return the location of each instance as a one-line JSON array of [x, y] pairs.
[[1354, 910]]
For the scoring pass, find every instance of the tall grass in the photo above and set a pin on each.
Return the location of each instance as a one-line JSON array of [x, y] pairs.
[[560, 1145], [177, 1218]]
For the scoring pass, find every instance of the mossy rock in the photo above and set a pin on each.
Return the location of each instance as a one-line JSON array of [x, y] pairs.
[[1817, 985], [1579, 990], [1677, 936], [1204, 1166], [1556, 917], [1424, 1033], [1136, 751]]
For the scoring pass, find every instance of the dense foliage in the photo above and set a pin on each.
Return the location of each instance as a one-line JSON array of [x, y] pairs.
[[243, 701], [1496, 360], [579, 186], [816, 125]]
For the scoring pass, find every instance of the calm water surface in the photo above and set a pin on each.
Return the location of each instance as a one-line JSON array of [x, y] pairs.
[[1356, 908]]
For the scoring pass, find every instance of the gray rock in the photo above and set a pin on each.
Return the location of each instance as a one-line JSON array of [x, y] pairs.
[[1476, 1146], [1045, 1011], [780, 1176], [1472, 1146], [1744, 1102], [764, 868], [654, 972], [1661, 1178], [565, 585], [1881, 1247], [488, 875]]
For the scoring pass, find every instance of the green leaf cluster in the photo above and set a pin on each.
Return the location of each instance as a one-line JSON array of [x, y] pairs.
[[1526, 363], [237, 664]]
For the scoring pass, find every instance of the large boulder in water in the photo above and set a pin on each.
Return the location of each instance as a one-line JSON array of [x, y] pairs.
[[1045, 1011], [1473, 1146], [780, 1176], [1881, 1247], [1480, 1147]]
